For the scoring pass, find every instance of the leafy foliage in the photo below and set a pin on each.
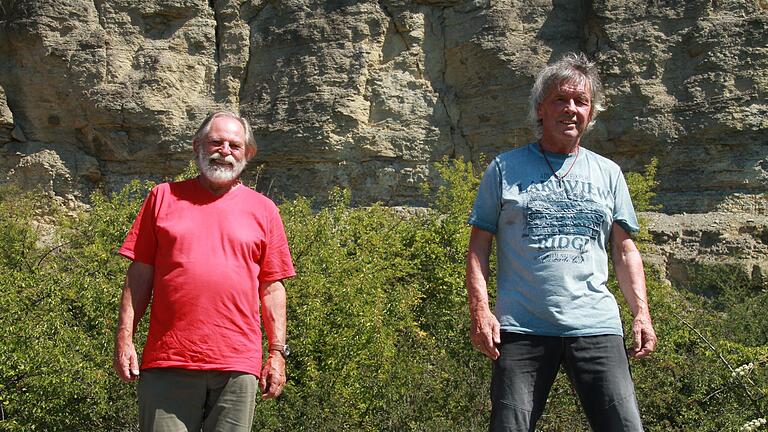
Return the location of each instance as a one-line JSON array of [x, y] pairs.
[[377, 320], [57, 310], [642, 187]]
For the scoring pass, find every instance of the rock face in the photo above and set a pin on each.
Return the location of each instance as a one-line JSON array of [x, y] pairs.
[[737, 242], [367, 94]]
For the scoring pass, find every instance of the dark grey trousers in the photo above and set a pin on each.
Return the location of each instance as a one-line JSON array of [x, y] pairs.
[[596, 365], [178, 400]]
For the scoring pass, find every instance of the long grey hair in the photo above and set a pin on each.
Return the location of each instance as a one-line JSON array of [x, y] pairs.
[[571, 68]]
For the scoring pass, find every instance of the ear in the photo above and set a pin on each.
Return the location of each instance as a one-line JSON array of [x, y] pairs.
[[249, 153]]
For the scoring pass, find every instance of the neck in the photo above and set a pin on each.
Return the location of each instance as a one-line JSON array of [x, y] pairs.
[[562, 147], [217, 189]]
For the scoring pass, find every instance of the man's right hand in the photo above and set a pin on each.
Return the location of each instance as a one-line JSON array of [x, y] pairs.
[[137, 292], [485, 330], [485, 333], [125, 361]]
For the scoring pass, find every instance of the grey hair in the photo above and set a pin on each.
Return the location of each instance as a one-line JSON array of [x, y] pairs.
[[571, 68], [205, 127]]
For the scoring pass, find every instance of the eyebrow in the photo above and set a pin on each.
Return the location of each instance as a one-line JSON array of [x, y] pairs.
[[232, 143], [561, 91], [217, 138]]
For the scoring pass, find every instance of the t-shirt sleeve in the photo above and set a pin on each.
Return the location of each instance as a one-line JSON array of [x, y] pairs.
[[487, 207], [623, 210], [276, 263], [141, 242]]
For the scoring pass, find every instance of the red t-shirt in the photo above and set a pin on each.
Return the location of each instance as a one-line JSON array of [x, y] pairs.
[[209, 253]]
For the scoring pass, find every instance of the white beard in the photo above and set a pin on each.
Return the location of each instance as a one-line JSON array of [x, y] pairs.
[[217, 173]]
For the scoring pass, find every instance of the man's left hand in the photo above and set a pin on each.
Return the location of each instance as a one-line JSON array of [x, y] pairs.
[[272, 376], [643, 337]]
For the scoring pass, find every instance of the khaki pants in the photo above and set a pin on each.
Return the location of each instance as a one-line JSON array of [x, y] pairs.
[[179, 400]]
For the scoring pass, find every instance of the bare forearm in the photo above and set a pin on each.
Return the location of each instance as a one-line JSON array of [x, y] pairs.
[[273, 301], [484, 328], [476, 282], [478, 267], [631, 278], [137, 292]]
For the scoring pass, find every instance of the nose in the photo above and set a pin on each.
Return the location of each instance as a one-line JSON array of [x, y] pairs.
[[570, 106], [224, 149]]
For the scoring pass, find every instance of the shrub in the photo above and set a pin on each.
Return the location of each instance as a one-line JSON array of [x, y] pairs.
[[58, 303], [377, 319]]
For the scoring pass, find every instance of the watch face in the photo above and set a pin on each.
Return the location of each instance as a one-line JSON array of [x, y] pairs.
[[286, 350]]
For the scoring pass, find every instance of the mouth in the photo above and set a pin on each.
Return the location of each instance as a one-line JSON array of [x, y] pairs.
[[220, 162], [217, 161], [569, 124]]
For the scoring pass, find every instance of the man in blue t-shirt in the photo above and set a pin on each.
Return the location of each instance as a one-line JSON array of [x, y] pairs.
[[554, 207]]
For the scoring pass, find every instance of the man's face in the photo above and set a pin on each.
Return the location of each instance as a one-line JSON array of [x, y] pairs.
[[221, 154], [565, 112]]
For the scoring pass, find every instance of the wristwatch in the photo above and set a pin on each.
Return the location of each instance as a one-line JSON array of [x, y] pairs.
[[283, 349]]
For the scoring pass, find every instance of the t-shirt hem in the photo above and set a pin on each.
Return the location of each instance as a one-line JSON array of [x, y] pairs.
[[629, 229], [277, 277], [566, 333], [187, 366], [485, 227], [127, 253]]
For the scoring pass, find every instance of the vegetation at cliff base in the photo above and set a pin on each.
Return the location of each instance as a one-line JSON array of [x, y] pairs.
[[378, 323]]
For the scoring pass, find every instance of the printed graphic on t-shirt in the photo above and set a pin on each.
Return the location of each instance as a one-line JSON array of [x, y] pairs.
[[562, 226]]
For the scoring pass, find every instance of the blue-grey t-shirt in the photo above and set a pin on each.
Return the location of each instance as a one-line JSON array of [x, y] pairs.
[[552, 239]]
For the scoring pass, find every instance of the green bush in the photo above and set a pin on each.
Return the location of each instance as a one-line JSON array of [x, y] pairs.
[[58, 306], [377, 319]]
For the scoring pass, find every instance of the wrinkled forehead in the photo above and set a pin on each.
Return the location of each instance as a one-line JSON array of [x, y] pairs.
[[577, 84], [226, 127]]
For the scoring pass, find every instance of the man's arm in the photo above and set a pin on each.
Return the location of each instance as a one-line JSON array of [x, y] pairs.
[[272, 295], [485, 330], [133, 303], [631, 277]]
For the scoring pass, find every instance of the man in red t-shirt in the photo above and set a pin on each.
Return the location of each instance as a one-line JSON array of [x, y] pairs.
[[210, 254]]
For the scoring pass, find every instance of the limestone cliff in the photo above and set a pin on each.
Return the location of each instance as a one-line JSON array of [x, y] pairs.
[[366, 94]]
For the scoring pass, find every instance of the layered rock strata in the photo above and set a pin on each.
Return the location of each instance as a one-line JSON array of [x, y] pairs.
[[368, 94]]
